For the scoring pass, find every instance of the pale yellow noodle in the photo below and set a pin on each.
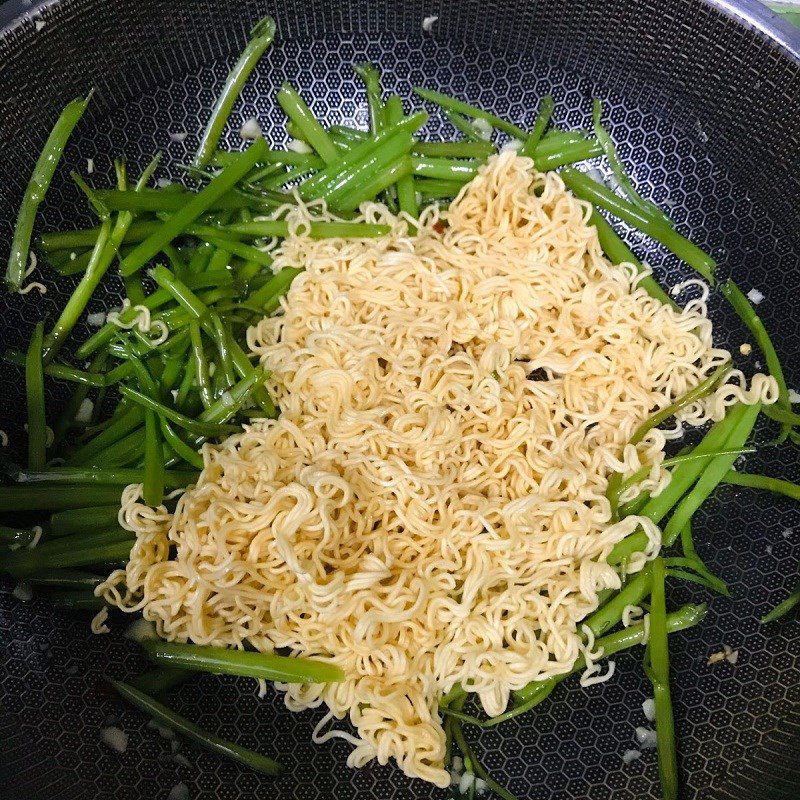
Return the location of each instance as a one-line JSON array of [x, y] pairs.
[[424, 513]]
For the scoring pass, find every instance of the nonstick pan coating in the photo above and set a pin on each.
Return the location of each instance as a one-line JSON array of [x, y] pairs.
[[704, 100]]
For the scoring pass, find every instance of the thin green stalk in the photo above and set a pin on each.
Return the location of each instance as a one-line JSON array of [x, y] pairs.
[[372, 82], [587, 189], [134, 291], [686, 617], [36, 190], [470, 756], [448, 169], [261, 38], [128, 450], [783, 608], [179, 447], [763, 482], [746, 312], [658, 672], [231, 246], [65, 579], [225, 661], [683, 477], [154, 301], [296, 109], [480, 149], [316, 230], [76, 600], [87, 237], [460, 107], [83, 476], [159, 680], [128, 422], [98, 206], [99, 262], [78, 556], [61, 371], [199, 203], [222, 340], [80, 520], [198, 428], [267, 297], [548, 158], [200, 364], [406, 190], [197, 308], [436, 189], [608, 615], [618, 252], [360, 163], [712, 474], [700, 573], [105, 250], [642, 473], [705, 387], [382, 179], [463, 126], [152, 201], [65, 422], [165, 716], [539, 126], [280, 180], [621, 177], [34, 389], [154, 477]]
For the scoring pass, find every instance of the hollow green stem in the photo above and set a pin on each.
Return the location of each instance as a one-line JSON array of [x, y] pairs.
[[608, 615], [372, 82], [34, 389], [683, 477], [658, 672], [406, 189], [618, 252], [711, 476], [316, 230], [165, 716], [587, 189], [764, 482], [37, 187], [621, 177], [745, 311], [783, 608], [267, 297], [543, 116], [65, 579], [83, 476], [80, 520], [60, 371], [261, 38], [222, 660], [360, 164], [686, 617], [448, 169], [199, 203], [296, 109], [460, 107], [128, 422]]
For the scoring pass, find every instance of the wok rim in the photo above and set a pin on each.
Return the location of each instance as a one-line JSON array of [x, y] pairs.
[[752, 14]]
